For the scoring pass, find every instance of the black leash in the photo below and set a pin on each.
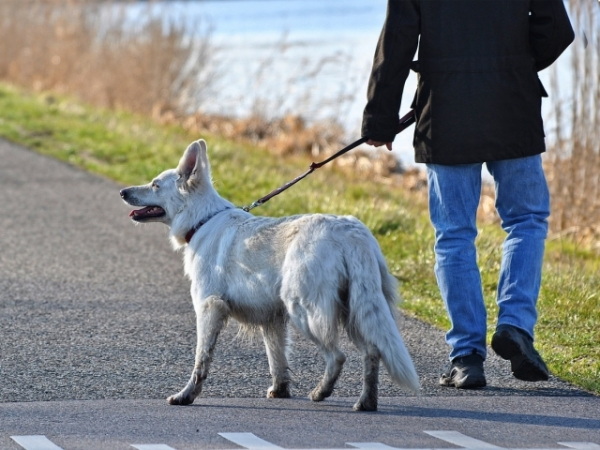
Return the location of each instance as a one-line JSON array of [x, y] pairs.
[[406, 121]]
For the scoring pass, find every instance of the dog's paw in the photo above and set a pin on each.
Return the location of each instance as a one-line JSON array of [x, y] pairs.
[[318, 395], [363, 405], [280, 392], [180, 399]]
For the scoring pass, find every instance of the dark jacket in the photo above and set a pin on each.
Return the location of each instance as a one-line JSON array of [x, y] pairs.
[[479, 96]]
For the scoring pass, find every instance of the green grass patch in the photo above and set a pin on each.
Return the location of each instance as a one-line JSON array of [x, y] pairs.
[[132, 149]]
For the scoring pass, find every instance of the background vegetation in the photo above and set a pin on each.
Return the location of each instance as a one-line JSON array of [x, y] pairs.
[[131, 119], [96, 51], [573, 160]]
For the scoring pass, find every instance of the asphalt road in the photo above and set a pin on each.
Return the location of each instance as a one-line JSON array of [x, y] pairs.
[[94, 309]]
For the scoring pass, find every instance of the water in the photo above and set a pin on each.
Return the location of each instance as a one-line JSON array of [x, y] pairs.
[[307, 57]]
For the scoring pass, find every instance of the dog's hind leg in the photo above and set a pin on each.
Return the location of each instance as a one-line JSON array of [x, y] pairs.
[[275, 338], [211, 316], [323, 332], [368, 396], [334, 361]]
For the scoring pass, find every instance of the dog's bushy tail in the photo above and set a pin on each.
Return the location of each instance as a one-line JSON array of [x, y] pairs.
[[372, 302]]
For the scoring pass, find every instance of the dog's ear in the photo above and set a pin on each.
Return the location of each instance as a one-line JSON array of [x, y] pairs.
[[193, 166], [203, 157]]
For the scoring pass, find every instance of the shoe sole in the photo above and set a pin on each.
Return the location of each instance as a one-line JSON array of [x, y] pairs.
[[522, 366], [472, 383]]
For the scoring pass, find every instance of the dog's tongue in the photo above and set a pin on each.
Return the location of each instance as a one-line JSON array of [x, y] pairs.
[[148, 210]]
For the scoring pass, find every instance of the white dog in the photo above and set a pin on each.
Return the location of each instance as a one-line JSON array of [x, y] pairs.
[[319, 271]]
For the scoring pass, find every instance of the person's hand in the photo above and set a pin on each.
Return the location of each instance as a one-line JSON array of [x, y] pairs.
[[379, 144]]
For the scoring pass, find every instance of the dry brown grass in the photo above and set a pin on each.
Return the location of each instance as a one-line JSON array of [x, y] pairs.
[[91, 49], [573, 160], [95, 51]]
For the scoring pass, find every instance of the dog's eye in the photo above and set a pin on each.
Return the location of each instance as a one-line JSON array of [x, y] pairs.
[[155, 185]]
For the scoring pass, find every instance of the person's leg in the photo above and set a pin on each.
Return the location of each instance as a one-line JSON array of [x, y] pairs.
[[454, 193], [523, 203]]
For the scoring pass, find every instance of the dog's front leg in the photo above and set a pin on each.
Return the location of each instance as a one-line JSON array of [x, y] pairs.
[[211, 315], [275, 338]]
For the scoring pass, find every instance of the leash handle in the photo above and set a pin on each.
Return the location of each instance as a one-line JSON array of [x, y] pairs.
[[405, 121]]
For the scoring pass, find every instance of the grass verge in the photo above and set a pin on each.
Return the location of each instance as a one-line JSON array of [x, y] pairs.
[[131, 149]]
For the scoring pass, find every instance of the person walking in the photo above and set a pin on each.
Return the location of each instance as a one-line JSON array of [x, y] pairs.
[[478, 101]]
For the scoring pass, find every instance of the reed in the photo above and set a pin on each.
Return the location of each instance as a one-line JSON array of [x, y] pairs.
[[124, 56], [102, 54], [573, 159]]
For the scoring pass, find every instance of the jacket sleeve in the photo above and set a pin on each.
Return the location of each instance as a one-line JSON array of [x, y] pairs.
[[550, 31], [393, 55]]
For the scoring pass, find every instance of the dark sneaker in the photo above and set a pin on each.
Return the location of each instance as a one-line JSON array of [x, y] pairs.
[[515, 345], [464, 372]]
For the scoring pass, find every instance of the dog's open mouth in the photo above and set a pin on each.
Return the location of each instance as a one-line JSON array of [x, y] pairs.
[[147, 213]]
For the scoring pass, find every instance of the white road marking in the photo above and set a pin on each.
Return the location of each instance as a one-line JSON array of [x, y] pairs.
[[369, 445], [36, 442], [152, 447], [456, 438], [249, 440], [252, 442], [581, 445]]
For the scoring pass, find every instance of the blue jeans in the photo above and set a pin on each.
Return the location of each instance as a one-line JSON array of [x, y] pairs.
[[523, 204]]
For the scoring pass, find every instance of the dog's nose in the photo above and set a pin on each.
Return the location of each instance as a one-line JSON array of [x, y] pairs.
[[123, 193]]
